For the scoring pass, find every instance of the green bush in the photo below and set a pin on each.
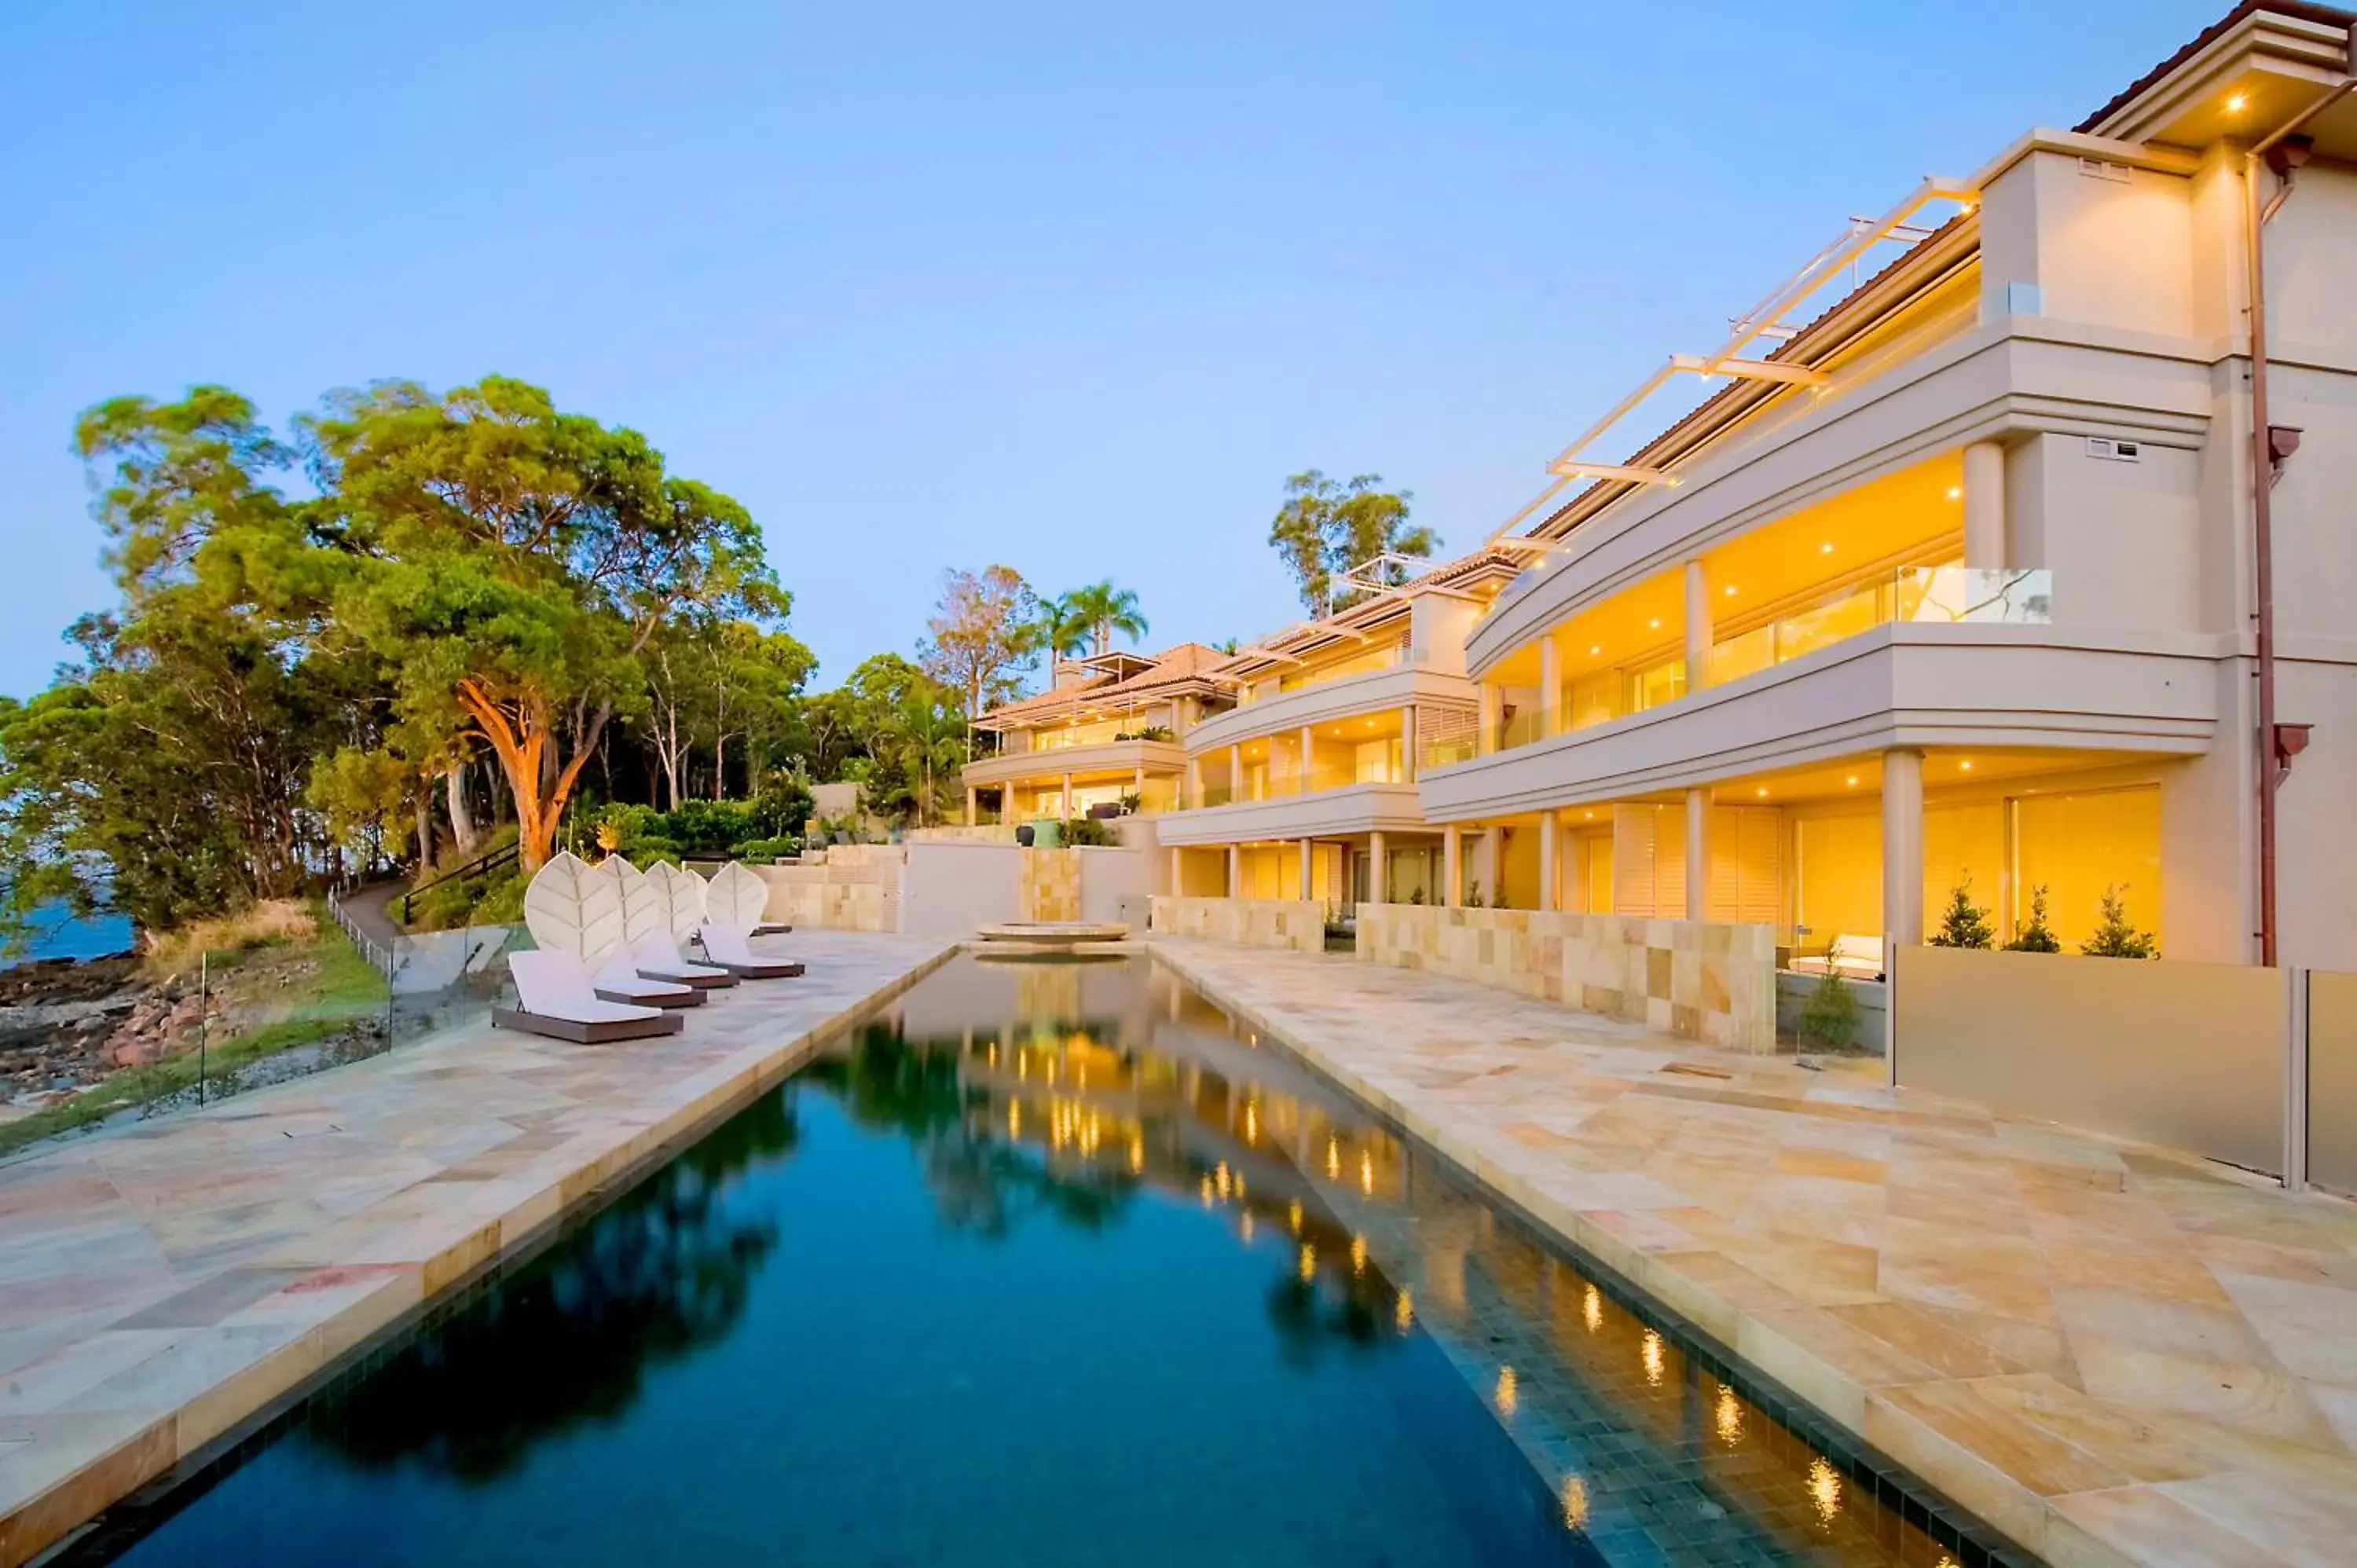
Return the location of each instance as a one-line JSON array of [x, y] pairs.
[[1828, 1018], [1089, 831], [2037, 936], [762, 851], [2115, 937], [1965, 925]]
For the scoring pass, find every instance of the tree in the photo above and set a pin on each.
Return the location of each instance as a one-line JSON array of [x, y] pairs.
[[1963, 925], [2036, 936], [1326, 528], [2115, 937], [1097, 610], [516, 563], [923, 736], [982, 635]]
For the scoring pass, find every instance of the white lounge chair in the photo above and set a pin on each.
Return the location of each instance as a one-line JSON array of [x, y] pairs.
[[618, 980], [725, 946], [658, 957], [1851, 957], [556, 999]]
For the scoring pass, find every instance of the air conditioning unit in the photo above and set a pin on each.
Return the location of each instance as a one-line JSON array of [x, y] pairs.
[[2113, 451]]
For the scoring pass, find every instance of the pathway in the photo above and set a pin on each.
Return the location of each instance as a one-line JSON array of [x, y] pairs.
[[160, 1284], [2110, 1353]]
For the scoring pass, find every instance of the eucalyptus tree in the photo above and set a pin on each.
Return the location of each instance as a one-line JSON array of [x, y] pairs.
[[1325, 526]]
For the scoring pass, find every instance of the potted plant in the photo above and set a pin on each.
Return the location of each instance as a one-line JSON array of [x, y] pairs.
[[1964, 925], [2115, 937], [2036, 936]]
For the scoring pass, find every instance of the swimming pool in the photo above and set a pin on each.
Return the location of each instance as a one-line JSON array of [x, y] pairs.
[[1048, 1264]]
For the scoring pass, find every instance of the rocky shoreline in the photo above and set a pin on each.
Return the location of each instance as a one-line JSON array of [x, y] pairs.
[[65, 1023]]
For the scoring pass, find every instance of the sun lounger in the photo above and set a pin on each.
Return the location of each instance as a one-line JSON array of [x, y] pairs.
[[658, 957], [620, 981], [727, 948], [556, 999]]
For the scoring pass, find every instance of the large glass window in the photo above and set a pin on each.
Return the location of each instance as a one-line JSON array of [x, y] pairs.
[[2078, 845]]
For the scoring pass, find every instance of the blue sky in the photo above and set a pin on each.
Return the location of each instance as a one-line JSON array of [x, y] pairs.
[[1073, 287]]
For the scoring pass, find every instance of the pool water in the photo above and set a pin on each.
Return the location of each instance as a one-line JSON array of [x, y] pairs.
[[1051, 1264]]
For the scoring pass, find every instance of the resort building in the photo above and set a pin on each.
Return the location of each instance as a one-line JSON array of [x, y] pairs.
[[1306, 788], [1108, 735], [2008, 545]]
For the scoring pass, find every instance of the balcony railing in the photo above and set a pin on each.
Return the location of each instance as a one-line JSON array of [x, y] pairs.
[[1374, 658], [1285, 785], [1942, 593]]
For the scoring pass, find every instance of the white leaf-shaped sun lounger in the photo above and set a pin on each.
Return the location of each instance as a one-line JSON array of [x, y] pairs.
[[555, 999], [657, 955], [643, 914], [737, 897], [725, 946], [574, 908]]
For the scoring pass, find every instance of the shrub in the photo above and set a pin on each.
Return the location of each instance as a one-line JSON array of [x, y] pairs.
[[1964, 925], [764, 850], [1828, 1018], [1089, 831], [2115, 937], [2037, 936]]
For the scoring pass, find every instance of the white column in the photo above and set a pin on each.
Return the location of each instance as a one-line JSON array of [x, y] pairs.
[[1308, 751], [1137, 785], [1698, 854], [1068, 798], [1902, 848], [1698, 631], [1309, 865], [1194, 781], [1548, 829], [1379, 873], [1407, 745], [1550, 686], [1236, 772], [1235, 871], [1178, 882], [1452, 866], [1492, 705], [1985, 506], [973, 805]]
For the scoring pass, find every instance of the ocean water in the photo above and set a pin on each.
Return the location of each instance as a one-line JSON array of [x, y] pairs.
[[60, 935], [1052, 1264]]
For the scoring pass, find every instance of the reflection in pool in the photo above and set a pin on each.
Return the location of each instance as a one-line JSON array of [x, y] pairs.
[[1050, 1265]]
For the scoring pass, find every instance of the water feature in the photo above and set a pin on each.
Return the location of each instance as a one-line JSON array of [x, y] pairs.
[[1051, 1264]]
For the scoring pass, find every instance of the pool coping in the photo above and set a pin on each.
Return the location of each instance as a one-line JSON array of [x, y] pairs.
[[1907, 1490], [384, 1301]]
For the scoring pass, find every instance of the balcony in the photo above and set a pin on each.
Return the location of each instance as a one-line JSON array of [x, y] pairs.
[[1395, 684], [1979, 680], [1086, 756], [1294, 805], [1934, 593]]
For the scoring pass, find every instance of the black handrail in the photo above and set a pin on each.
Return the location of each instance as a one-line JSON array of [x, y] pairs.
[[481, 865]]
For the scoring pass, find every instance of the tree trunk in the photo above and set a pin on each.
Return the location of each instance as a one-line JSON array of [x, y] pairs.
[[720, 767], [422, 805], [462, 813]]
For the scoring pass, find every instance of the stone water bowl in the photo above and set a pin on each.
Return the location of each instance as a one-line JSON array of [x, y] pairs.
[[1035, 939]]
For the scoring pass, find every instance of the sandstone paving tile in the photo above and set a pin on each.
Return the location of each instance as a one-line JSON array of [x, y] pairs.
[[2308, 1327], [210, 1300], [1959, 1278], [2301, 1265], [2145, 1525], [1930, 1339], [2237, 1395]]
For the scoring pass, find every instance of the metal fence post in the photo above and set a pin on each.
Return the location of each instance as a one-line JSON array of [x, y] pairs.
[[2295, 1157], [204, 1024]]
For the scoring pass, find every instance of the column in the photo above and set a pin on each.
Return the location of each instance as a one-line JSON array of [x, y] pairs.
[[1407, 745], [1068, 798], [1452, 866], [1902, 849], [1236, 771], [1698, 633], [1309, 865], [1235, 871], [1985, 506], [1549, 826], [1379, 871], [1178, 882], [973, 806], [1550, 686], [1309, 756], [1137, 785], [1698, 854], [1492, 705], [1194, 781]]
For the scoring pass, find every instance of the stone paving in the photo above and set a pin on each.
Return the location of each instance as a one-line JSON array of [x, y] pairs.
[[2113, 1353], [161, 1283]]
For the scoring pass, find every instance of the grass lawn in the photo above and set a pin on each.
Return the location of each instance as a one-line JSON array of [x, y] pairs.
[[281, 995]]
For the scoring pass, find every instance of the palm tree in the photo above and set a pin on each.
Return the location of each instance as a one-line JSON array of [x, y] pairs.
[[1098, 610], [925, 733]]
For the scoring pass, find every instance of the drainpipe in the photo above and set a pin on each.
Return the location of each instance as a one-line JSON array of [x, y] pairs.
[[2273, 756]]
